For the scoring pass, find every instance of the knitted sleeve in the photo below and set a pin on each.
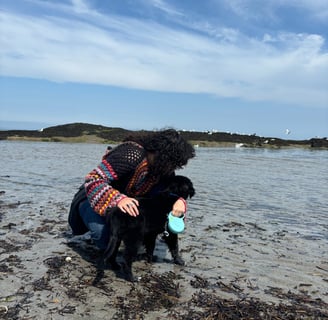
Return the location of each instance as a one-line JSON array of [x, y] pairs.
[[117, 165]]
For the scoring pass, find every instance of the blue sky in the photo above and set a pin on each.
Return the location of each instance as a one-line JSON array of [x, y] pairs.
[[246, 66]]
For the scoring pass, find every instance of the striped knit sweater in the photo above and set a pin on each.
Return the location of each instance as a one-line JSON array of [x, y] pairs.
[[121, 173]]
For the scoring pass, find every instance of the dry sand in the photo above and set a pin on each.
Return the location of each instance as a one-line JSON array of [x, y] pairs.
[[233, 271]]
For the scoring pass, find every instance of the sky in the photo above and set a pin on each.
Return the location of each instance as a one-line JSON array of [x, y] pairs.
[[243, 66]]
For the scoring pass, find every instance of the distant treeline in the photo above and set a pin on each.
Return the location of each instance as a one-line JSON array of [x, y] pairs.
[[105, 134]]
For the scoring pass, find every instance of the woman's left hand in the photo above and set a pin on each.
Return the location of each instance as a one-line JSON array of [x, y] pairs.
[[179, 207]]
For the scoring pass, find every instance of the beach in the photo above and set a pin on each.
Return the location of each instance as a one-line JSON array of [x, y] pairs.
[[46, 274], [237, 266]]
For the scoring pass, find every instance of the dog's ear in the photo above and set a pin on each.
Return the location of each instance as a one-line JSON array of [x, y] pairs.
[[191, 191]]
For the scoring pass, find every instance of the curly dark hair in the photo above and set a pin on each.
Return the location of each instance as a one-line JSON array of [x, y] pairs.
[[171, 151]]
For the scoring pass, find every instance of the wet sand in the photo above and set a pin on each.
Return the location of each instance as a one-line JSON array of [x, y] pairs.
[[234, 270]]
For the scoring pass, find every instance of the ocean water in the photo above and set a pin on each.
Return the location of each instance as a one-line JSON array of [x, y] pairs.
[[284, 190], [281, 189]]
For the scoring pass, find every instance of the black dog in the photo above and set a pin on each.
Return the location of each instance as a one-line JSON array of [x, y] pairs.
[[143, 229]]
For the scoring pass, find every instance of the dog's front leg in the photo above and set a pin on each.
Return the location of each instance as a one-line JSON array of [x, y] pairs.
[[130, 254], [111, 252], [172, 242], [150, 241]]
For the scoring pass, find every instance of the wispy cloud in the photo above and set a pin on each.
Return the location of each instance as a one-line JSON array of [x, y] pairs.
[[80, 6], [84, 45], [165, 7], [270, 9]]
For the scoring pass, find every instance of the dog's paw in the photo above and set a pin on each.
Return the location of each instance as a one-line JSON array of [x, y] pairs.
[[179, 261], [114, 265], [132, 278], [152, 258]]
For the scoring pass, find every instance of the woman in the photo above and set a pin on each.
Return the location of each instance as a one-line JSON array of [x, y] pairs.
[[137, 167]]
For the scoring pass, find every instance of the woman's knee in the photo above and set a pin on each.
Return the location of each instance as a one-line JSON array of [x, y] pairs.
[[95, 223]]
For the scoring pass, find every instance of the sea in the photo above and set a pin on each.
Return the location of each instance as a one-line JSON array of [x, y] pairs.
[[283, 189]]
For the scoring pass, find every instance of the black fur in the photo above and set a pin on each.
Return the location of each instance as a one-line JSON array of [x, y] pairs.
[[143, 229]]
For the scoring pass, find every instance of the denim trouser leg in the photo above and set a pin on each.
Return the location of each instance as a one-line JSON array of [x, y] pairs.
[[96, 224]]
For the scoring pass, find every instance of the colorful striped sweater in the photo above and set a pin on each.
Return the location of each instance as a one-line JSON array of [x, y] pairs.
[[121, 173]]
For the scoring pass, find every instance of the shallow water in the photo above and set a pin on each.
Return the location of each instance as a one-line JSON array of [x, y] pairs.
[[279, 189], [286, 189]]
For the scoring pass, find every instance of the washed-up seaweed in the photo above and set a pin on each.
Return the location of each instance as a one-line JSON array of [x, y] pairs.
[[12, 313], [162, 292], [153, 292], [214, 307], [199, 282], [6, 247], [296, 298], [55, 263]]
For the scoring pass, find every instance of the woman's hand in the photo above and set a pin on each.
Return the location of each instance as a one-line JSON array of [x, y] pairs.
[[179, 207], [130, 206]]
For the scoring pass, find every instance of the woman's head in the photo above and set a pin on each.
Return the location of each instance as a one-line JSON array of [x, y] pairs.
[[168, 151]]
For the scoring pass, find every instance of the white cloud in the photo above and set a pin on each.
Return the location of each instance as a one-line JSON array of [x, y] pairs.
[[121, 51], [165, 7], [80, 6]]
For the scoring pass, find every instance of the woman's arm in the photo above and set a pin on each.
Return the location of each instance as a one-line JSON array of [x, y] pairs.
[[179, 207], [117, 165]]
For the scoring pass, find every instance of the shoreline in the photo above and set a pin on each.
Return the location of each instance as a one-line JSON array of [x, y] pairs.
[[196, 143]]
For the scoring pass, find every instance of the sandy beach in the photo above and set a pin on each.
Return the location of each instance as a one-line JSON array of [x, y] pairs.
[[47, 274]]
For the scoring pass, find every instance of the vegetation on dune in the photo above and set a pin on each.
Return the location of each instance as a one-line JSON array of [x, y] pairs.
[[84, 132]]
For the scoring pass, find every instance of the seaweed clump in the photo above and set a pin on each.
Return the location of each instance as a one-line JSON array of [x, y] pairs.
[[153, 292], [213, 307]]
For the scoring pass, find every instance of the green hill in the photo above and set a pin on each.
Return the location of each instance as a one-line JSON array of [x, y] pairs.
[[84, 132]]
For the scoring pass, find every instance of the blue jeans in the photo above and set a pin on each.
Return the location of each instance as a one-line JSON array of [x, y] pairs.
[[95, 223]]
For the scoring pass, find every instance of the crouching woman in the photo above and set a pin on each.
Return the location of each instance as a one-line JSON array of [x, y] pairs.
[[137, 167]]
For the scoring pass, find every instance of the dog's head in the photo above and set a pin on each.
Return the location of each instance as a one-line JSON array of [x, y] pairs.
[[181, 186]]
